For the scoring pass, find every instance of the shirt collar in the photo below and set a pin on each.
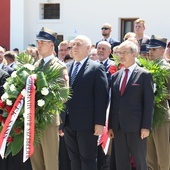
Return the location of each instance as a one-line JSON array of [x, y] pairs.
[[46, 59], [132, 67], [81, 62]]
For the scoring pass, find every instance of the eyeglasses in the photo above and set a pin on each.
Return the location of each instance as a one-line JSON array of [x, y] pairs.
[[105, 28], [123, 53], [69, 48]]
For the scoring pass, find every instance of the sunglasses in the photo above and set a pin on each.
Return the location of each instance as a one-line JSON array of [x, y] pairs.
[[105, 28]]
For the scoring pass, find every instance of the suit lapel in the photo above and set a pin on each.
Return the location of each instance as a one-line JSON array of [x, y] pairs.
[[69, 69], [131, 79], [118, 80]]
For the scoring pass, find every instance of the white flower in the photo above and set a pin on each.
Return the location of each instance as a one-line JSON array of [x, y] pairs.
[[14, 74], [9, 102], [44, 91], [41, 102], [5, 85], [29, 67], [4, 96], [23, 92], [154, 87], [12, 87]]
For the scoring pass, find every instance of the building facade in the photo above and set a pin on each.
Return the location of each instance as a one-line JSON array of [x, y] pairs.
[[21, 20]]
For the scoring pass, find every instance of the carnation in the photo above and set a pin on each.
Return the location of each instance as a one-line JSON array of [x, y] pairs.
[[29, 67], [4, 96], [44, 91], [5, 85], [14, 74], [12, 87], [9, 102], [40, 102]]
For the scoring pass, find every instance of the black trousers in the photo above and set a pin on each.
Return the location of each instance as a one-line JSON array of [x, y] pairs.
[[15, 163], [127, 144], [64, 160], [103, 161], [82, 148]]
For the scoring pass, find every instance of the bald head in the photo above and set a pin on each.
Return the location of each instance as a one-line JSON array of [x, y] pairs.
[[103, 50]]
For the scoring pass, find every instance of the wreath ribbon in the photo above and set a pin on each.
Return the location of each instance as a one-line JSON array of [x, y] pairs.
[[9, 123], [29, 120]]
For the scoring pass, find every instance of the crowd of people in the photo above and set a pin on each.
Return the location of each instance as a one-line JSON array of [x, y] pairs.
[[120, 103]]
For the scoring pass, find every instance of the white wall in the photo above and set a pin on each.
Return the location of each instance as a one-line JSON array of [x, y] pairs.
[[17, 24], [88, 16]]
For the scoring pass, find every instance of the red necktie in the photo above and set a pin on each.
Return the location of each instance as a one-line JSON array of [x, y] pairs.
[[122, 89]]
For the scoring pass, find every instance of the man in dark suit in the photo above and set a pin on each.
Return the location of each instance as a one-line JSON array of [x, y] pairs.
[[106, 33], [86, 110], [103, 52], [131, 109], [45, 156], [10, 58]]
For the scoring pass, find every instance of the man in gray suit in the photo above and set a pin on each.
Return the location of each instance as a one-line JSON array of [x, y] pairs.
[[131, 109]]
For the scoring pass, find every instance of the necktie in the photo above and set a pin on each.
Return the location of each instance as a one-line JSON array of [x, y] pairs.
[[41, 64], [73, 76], [122, 89]]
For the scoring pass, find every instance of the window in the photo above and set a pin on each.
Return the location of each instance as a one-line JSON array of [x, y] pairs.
[[127, 25], [50, 11]]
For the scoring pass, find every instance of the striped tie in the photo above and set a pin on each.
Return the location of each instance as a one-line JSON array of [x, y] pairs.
[[73, 76]]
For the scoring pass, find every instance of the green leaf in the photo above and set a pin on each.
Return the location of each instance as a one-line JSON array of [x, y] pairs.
[[8, 150], [17, 144]]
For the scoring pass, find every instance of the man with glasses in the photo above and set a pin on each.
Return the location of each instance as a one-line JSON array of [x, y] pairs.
[[106, 33], [158, 143], [131, 109]]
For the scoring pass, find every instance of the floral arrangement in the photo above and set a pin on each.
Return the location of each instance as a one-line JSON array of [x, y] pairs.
[[117, 65], [48, 100], [160, 75]]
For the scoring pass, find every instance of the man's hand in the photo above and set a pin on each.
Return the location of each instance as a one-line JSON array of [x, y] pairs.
[[110, 133], [144, 133], [61, 133], [98, 130]]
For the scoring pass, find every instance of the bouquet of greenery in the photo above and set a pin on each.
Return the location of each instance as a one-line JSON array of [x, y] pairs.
[[49, 98], [160, 76]]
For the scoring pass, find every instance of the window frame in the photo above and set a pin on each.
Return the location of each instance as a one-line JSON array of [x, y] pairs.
[[123, 24]]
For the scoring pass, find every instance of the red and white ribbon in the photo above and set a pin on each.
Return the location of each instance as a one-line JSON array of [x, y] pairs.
[[104, 139], [9, 123], [29, 118]]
